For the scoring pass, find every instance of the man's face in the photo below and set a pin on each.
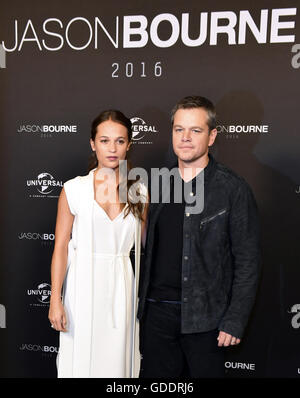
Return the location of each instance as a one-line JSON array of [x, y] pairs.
[[191, 137]]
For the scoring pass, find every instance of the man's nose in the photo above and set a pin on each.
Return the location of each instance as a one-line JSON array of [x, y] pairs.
[[186, 135]]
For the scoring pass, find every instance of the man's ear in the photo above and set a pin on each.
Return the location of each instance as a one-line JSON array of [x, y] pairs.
[[212, 136]]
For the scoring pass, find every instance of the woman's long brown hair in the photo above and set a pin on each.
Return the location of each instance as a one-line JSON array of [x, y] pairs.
[[117, 116]]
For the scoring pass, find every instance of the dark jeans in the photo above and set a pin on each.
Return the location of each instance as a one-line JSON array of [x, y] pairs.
[[166, 352]]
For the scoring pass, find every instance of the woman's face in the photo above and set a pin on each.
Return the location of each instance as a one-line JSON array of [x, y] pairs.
[[111, 144]]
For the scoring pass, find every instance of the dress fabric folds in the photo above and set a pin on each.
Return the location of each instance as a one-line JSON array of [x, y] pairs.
[[100, 290]]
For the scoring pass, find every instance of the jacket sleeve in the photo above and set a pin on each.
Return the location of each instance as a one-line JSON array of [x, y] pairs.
[[245, 248]]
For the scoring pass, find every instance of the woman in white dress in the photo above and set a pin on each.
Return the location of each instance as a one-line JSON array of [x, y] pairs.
[[94, 286]]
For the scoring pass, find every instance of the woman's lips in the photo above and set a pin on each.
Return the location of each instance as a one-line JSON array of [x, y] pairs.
[[112, 157]]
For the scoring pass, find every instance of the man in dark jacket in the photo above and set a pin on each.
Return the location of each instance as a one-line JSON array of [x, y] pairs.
[[200, 274]]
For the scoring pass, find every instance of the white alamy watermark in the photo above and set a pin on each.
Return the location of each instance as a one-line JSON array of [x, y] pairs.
[[2, 57], [166, 186], [2, 316], [296, 317]]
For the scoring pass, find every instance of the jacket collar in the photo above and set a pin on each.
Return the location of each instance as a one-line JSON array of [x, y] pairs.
[[208, 173], [208, 170]]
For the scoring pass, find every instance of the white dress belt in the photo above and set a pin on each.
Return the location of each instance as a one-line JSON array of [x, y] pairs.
[[116, 282]]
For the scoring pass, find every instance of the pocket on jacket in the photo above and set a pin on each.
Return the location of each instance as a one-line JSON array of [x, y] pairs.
[[212, 217]]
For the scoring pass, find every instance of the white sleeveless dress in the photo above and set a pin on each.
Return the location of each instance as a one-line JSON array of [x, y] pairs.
[[113, 297], [100, 290], [113, 293]]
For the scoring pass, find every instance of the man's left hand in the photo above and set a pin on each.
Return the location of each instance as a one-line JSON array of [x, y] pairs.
[[225, 339]]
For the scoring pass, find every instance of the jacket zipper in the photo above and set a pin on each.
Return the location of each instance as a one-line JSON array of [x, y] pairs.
[[212, 217]]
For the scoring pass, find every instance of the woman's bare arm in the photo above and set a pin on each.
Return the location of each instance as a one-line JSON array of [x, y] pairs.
[[64, 222]]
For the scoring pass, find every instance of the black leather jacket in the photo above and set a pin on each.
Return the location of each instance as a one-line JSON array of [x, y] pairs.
[[220, 258]]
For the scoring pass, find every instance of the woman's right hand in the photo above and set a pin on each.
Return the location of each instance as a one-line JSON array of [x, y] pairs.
[[57, 315]]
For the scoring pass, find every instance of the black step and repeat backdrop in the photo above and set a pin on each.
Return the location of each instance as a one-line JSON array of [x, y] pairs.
[[61, 63]]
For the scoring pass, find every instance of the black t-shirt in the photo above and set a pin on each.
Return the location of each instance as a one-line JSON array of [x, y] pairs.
[[165, 281]]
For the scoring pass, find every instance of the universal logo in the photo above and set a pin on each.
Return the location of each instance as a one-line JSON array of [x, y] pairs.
[[44, 349], [45, 184], [42, 295], [295, 310], [142, 132], [235, 131], [2, 317]]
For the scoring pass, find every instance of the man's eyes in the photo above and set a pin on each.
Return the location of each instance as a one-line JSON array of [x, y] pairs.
[[178, 130]]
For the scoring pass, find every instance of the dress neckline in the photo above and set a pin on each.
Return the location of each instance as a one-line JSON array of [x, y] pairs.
[[110, 219]]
